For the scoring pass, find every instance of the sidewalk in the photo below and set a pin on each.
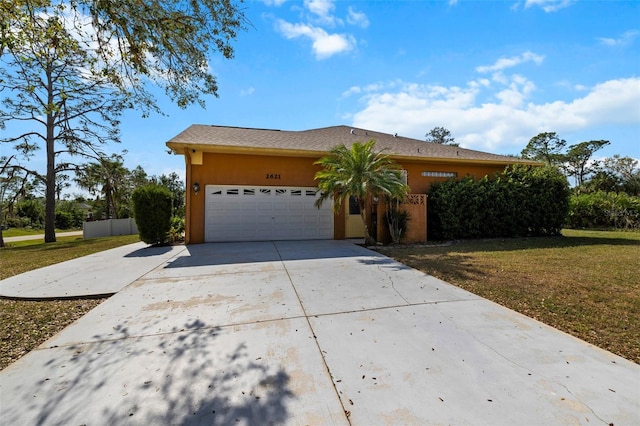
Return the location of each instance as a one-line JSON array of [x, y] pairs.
[[98, 274], [41, 236]]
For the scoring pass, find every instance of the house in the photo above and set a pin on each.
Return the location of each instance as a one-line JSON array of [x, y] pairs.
[[247, 184]]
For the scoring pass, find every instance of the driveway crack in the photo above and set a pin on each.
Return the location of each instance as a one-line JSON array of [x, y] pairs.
[[551, 380], [393, 285]]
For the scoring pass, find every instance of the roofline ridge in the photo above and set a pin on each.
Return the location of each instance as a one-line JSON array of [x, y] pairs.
[[236, 127]]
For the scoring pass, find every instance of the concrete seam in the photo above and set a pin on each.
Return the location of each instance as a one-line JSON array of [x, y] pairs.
[[315, 338]]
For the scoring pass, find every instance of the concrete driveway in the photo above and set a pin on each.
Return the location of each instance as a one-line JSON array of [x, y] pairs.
[[311, 332]]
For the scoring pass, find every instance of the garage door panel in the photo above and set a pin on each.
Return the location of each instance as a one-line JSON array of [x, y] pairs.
[[255, 213]]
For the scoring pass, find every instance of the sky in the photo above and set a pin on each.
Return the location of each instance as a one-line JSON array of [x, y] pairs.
[[495, 73]]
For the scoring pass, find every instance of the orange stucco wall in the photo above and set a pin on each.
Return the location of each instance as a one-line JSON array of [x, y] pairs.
[[420, 184], [247, 169], [233, 169]]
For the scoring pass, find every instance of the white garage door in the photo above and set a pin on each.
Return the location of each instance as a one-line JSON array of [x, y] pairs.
[[262, 213]]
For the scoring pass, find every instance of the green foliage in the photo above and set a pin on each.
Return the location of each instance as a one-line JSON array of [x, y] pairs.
[[152, 210], [69, 215], [361, 172], [176, 231], [441, 136], [578, 159], [397, 220], [604, 210], [33, 210], [546, 147], [70, 68], [521, 201], [106, 177], [176, 186]]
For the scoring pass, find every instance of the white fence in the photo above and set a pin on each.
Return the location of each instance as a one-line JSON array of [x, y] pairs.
[[107, 228]]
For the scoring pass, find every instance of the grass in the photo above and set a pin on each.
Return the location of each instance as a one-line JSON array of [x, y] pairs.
[[24, 324], [585, 283]]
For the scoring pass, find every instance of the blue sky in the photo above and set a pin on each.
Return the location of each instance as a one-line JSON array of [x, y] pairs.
[[495, 73]]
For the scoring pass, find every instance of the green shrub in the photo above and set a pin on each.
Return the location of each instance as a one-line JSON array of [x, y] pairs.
[[64, 220], [176, 231], [152, 212], [397, 220], [604, 210], [69, 215], [33, 210], [521, 201]]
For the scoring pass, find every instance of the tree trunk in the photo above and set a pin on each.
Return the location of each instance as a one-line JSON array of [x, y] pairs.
[[1, 237], [50, 192], [368, 240]]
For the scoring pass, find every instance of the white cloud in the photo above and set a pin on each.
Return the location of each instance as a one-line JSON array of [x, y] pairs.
[[374, 87], [323, 11], [247, 92], [625, 39], [548, 5], [320, 7], [453, 2], [321, 15], [502, 125], [504, 63], [324, 44], [357, 18]]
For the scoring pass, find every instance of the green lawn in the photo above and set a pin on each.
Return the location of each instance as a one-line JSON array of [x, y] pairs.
[[585, 283]]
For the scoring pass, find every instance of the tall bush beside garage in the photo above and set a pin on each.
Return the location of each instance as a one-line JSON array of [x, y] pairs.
[[152, 212], [521, 201]]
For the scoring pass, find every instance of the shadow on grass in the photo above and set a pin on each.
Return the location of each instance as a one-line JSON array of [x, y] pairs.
[[528, 243], [182, 377], [455, 267]]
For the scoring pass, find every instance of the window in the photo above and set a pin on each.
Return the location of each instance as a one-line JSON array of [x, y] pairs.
[[440, 174], [354, 207]]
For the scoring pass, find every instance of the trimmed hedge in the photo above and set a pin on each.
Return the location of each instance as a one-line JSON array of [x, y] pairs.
[[152, 212], [604, 210], [521, 201]]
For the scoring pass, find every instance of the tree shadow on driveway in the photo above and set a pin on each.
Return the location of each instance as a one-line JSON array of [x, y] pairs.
[[186, 376]]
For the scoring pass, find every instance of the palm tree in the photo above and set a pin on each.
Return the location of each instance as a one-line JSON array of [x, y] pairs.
[[361, 172], [107, 176]]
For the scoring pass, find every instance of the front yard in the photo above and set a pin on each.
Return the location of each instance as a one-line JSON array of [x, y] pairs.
[[585, 283], [26, 324]]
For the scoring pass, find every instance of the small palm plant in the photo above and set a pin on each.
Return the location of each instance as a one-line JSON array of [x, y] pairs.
[[361, 172]]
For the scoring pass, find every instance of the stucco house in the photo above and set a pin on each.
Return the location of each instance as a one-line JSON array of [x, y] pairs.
[[247, 184]]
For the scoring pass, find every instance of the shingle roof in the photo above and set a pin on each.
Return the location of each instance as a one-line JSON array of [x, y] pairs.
[[315, 141]]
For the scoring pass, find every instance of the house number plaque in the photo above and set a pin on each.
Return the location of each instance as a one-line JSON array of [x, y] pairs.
[[273, 176]]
